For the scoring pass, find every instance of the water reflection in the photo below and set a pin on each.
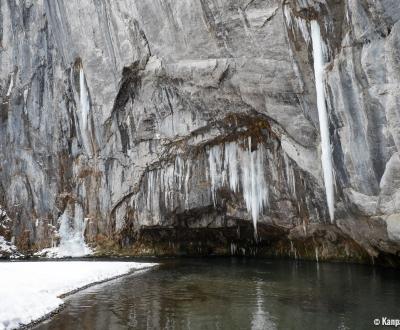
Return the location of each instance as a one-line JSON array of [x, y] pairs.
[[237, 294], [261, 317]]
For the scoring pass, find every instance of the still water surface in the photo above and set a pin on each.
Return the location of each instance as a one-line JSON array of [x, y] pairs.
[[236, 294]]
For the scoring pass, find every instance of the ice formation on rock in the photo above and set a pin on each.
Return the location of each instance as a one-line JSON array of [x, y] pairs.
[[84, 109], [326, 156], [240, 167], [233, 165], [296, 22], [165, 189], [72, 240], [71, 233]]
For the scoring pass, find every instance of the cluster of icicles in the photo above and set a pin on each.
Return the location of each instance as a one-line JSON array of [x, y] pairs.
[[240, 168], [165, 184], [231, 165]]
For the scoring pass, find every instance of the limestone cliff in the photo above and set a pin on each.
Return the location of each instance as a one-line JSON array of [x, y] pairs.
[[169, 127]]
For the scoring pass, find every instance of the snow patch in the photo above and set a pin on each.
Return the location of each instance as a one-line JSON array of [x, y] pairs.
[[393, 227], [32, 290], [7, 249], [5, 221]]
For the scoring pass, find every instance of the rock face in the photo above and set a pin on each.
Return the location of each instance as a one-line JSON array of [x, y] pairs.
[[169, 127]]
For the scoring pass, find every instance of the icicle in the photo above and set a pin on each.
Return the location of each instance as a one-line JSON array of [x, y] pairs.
[[255, 191], [231, 162], [150, 186], [186, 191], [215, 164], [178, 170], [323, 115], [253, 198]]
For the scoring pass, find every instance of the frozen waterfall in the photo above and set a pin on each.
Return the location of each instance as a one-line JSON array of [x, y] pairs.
[[71, 233], [72, 241], [326, 156]]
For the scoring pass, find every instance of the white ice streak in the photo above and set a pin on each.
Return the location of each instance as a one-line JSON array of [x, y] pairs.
[[10, 87], [84, 99], [326, 156], [241, 167], [290, 177], [300, 23], [84, 112]]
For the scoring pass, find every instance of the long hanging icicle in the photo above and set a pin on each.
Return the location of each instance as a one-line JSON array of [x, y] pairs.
[[326, 156]]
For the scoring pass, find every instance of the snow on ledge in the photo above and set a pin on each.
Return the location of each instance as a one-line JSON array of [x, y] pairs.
[[32, 290]]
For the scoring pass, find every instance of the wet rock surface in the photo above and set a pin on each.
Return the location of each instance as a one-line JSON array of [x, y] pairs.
[[125, 114]]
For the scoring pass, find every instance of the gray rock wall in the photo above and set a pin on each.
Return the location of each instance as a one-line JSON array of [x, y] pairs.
[[169, 80]]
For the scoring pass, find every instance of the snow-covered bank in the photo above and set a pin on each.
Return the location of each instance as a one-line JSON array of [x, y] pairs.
[[8, 250], [31, 290]]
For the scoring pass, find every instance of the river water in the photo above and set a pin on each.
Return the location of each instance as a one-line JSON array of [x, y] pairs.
[[236, 293]]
